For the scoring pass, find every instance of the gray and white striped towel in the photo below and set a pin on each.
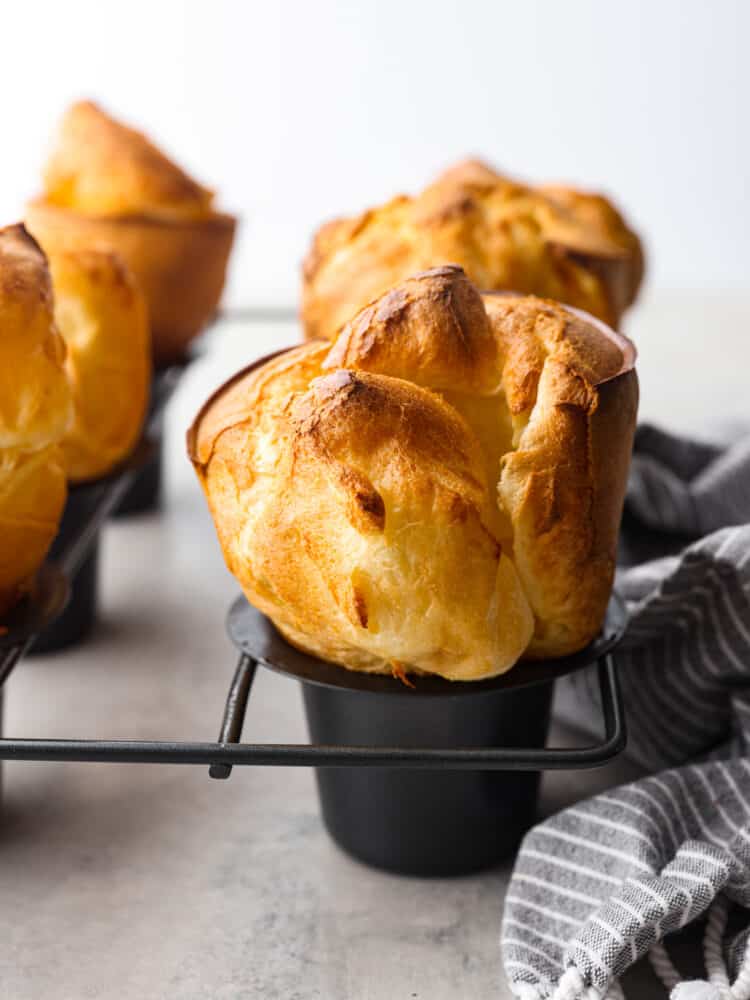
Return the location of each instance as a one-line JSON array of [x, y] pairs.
[[600, 884]]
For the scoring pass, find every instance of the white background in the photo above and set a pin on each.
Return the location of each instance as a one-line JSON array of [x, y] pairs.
[[296, 112], [299, 111]]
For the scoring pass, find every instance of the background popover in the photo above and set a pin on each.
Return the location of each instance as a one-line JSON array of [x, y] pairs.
[[106, 185], [101, 314], [437, 491], [550, 241], [35, 411]]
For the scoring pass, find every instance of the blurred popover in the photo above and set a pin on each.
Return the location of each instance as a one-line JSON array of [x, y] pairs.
[[106, 185], [35, 413], [101, 313], [437, 491], [550, 241]]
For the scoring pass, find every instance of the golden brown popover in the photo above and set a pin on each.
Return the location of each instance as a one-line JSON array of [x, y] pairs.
[[550, 241], [437, 491], [106, 185], [101, 314], [35, 412]]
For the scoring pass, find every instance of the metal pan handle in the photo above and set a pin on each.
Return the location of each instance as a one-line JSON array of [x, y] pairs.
[[222, 756], [234, 711], [521, 759]]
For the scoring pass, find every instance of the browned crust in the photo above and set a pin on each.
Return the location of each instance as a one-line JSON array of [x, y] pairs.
[[34, 415], [180, 264], [504, 415], [32, 350], [25, 273], [233, 402], [347, 415], [106, 185], [623, 269], [431, 329], [551, 241], [564, 492], [102, 315], [99, 166], [212, 220]]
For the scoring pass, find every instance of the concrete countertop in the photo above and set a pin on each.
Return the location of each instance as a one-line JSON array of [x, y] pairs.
[[129, 881]]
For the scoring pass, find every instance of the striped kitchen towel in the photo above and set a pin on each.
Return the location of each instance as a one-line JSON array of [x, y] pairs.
[[600, 884]]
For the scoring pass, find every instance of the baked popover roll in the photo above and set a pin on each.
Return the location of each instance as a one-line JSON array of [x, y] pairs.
[[101, 314], [438, 491], [549, 241], [35, 412], [106, 185]]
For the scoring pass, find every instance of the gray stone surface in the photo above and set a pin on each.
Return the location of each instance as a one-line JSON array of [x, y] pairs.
[[132, 882]]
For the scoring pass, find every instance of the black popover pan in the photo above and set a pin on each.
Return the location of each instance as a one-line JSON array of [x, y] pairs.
[[462, 759]]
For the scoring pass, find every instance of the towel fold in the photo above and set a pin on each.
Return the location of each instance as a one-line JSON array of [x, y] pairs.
[[600, 884]]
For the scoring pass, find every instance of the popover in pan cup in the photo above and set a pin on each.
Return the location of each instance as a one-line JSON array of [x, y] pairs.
[[106, 185], [101, 313], [436, 492], [35, 413], [556, 242]]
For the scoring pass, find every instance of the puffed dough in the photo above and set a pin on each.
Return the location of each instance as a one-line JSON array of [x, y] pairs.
[[107, 186], [99, 166], [35, 413], [438, 491], [101, 313], [556, 242]]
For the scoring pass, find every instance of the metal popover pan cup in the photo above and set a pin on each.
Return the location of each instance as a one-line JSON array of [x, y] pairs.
[[440, 779], [145, 494], [132, 487], [75, 550], [33, 615], [36, 612], [77, 619]]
